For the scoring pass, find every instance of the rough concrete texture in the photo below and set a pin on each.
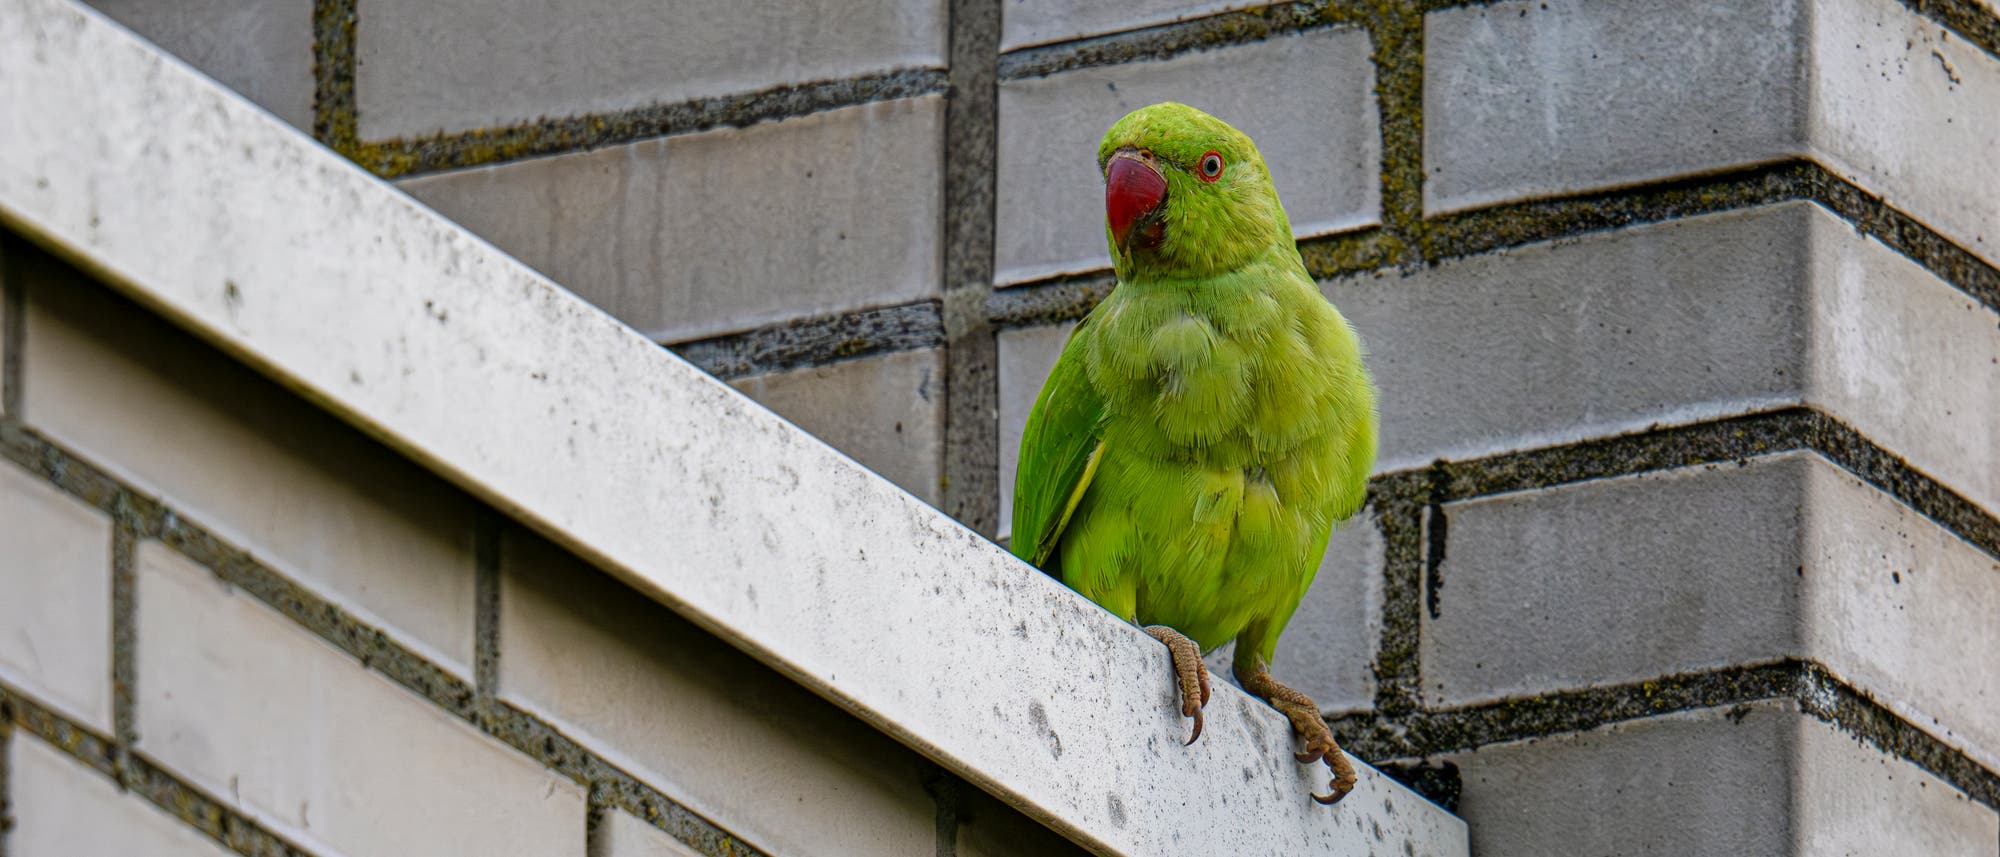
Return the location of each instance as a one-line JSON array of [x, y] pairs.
[[1905, 108], [1905, 358], [1306, 98], [252, 708], [253, 463], [1328, 648], [700, 234], [1681, 321], [702, 722], [1531, 98], [55, 617], [260, 48], [62, 809], [1601, 334], [622, 834], [454, 65], [1625, 579], [884, 411], [664, 476], [1034, 22], [1761, 778]]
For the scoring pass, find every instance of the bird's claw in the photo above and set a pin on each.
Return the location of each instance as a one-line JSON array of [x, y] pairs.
[[1321, 747], [1190, 674]]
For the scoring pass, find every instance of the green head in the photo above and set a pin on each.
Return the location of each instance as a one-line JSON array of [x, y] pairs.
[[1185, 194]]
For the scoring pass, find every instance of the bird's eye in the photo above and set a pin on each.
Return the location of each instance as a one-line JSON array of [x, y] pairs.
[[1211, 166]]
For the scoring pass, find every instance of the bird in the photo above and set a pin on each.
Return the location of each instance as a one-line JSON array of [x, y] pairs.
[[1207, 423]]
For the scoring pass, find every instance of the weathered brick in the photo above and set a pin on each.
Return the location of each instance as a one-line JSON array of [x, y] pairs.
[[1532, 98], [253, 708], [1033, 22], [1785, 556], [1904, 108], [697, 719], [251, 462], [260, 48], [885, 412], [1677, 322], [452, 65], [621, 834], [55, 571], [1760, 778], [1328, 648], [699, 234], [1307, 99], [1905, 358], [62, 808]]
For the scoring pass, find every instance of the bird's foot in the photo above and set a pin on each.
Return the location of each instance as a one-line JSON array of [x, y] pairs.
[[1306, 721], [1189, 672]]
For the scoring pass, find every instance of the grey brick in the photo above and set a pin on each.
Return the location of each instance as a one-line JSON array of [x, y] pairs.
[[260, 48], [1905, 108], [1033, 22], [1616, 580], [697, 719], [253, 708], [885, 412], [1906, 359], [55, 618], [1677, 322], [250, 461], [1534, 98], [63, 809], [708, 233], [452, 65], [1307, 99], [1760, 778], [1328, 648], [1601, 334], [622, 834], [1625, 579]]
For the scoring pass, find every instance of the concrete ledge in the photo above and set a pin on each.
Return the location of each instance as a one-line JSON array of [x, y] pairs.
[[221, 217]]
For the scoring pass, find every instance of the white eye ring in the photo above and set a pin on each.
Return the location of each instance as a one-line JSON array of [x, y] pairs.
[[1211, 165]]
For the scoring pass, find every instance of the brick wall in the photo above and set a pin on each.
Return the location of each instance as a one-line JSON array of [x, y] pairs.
[[1686, 317], [236, 625]]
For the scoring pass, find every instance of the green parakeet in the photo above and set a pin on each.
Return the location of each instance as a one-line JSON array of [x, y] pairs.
[[1206, 424]]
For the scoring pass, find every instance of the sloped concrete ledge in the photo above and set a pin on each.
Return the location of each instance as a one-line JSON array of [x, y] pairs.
[[221, 217]]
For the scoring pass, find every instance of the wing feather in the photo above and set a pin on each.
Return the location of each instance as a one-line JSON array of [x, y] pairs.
[[1060, 449]]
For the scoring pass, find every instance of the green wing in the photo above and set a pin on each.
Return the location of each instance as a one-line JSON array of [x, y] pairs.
[[1059, 453]]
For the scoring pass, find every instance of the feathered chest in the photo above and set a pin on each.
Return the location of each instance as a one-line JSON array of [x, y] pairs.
[[1224, 376]]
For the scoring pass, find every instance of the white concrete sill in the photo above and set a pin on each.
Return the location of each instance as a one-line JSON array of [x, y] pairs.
[[224, 219]]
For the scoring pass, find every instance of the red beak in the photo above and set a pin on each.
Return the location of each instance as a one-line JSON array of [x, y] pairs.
[[1133, 190]]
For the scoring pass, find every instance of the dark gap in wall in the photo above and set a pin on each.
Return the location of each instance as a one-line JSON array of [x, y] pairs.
[[487, 531], [6, 774], [124, 633], [948, 792], [1399, 501], [1166, 41], [970, 469], [1398, 37], [1814, 688], [1436, 536], [818, 340], [1438, 782], [484, 146], [13, 328], [336, 117]]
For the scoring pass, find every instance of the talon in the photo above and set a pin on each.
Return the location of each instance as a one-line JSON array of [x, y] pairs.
[[1336, 797], [1190, 674]]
